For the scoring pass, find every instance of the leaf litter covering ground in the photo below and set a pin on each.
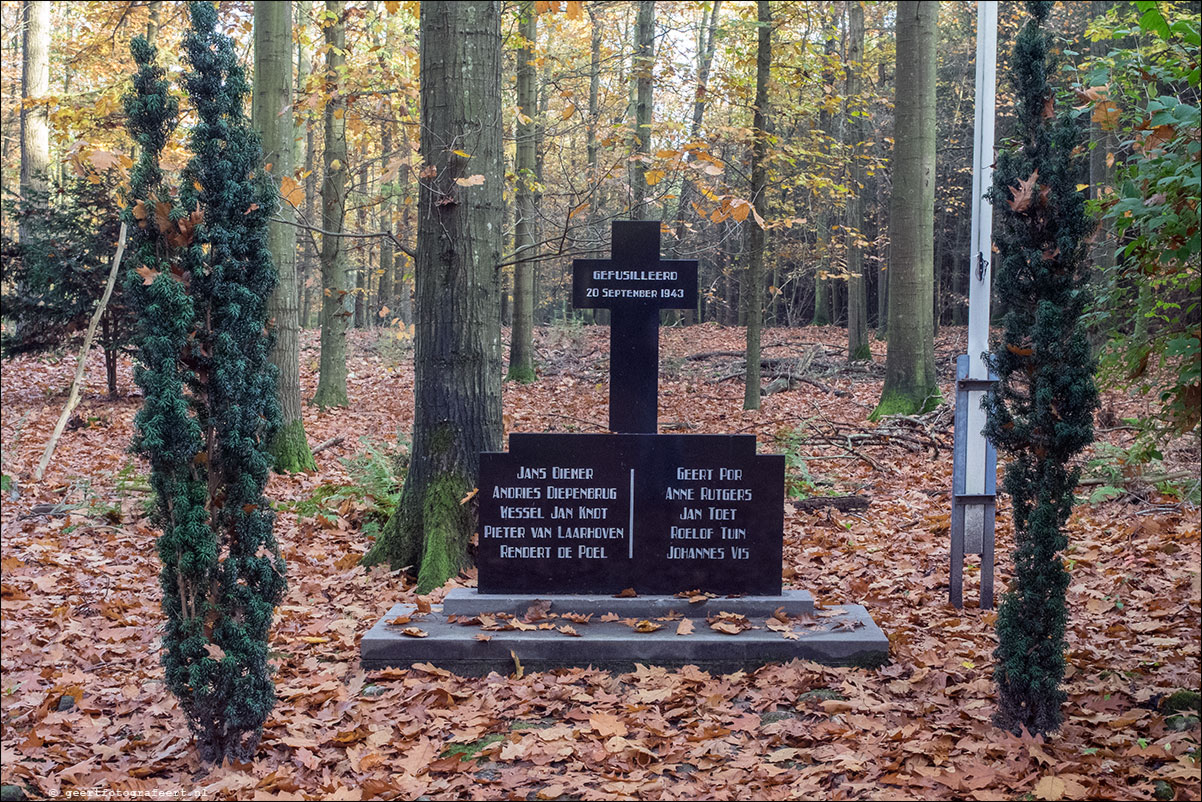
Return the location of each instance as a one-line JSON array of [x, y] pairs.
[[84, 706]]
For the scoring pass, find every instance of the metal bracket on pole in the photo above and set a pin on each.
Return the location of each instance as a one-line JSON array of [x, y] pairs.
[[972, 512]]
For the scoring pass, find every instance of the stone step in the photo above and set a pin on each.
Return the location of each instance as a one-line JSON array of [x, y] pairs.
[[470, 602]]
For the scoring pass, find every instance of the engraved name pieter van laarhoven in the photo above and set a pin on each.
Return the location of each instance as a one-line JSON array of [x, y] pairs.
[[598, 513]]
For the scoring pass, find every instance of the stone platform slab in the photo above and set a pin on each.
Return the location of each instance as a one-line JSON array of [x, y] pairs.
[[844, 635]]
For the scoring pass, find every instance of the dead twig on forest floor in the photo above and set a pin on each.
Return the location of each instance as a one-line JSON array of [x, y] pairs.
[[333, 441]]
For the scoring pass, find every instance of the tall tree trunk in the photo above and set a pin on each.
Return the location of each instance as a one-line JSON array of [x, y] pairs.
[[910, 368], [823, 290], [153, 19], [387, 294], [754, 293], [886, 258], [706, 43], [594, 115], [271, 115], [643, 67], [857, 301], [363, 255], [1102, 160], [302, 153], [35, 86], [521, 339], [457, 356], [337, 303]]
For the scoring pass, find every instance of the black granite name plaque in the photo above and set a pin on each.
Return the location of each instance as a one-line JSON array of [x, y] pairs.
[[598, 513]]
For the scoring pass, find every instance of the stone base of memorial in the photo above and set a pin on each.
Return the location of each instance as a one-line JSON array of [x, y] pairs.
[[462, 637]]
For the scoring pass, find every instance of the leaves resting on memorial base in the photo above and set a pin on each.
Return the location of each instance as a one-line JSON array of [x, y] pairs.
[[82, 619]]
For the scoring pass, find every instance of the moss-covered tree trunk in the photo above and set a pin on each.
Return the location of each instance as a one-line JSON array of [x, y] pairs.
[[521, 340], [272, 118], [753, 295], [457, 353], [910, 384]]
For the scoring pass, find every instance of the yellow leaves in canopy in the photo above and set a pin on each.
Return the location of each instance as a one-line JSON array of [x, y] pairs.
[[291, 192], [574, 10], [653, 177]]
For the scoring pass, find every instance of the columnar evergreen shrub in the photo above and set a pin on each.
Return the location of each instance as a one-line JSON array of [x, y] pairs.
[[1040, 413], [202, 272]]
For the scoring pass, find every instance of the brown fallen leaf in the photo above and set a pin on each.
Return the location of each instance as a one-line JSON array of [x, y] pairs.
[[685, 627], [567, 630], [482, 637], [628, 593], [519, 671], [647, 626], [607, 725], [414, 632]]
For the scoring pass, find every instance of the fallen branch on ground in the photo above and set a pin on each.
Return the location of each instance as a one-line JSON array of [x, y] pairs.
[[73, 396], [841, 503]]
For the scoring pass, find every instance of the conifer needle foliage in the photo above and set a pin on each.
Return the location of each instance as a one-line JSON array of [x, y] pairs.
[[1040, 412], [201, 273]]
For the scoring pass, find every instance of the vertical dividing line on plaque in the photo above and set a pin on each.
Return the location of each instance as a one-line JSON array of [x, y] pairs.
[[630, 530]]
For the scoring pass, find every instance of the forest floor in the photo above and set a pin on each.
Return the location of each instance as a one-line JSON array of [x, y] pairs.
[[85, 709]]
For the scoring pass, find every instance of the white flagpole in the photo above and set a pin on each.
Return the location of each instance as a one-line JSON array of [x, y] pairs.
[[982, 179], [972, 485]]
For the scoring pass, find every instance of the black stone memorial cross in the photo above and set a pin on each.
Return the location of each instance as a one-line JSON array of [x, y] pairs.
[[634, 284]]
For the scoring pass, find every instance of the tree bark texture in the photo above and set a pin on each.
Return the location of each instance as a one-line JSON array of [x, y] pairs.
[[387, 293], [521, 340], [1103, 158], [337, 303], [643, 67], [35, 86], [457, 349], [271, 113], [754, 294], [910, 384], [857, 300], [706, 42], [823, 289]]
